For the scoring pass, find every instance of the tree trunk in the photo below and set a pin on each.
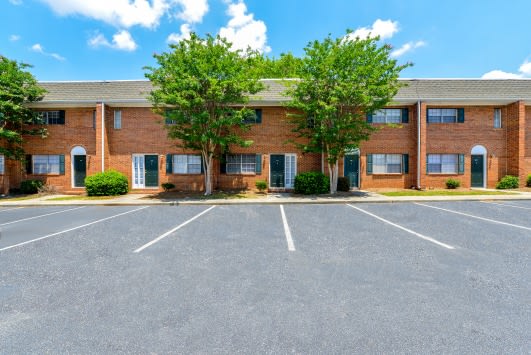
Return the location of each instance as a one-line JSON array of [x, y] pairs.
[[207, 158], [333, 173]]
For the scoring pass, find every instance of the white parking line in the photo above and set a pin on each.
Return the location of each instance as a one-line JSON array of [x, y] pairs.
[[71, 229], [11, 209], [42, 215], [171, 231], [506, 204], [429, 239], [289, 239], [477, 217]]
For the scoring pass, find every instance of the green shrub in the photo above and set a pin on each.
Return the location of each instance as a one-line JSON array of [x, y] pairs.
[[343, 184], [109, 183], [261, 185], [30, 186], [528, 181], [452, 184], [167, 186], [311, 183], [508, 182]]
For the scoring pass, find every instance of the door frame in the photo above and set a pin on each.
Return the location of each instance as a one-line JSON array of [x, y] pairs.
[[76, 150], [143, 155], [353, 152], [294, 173], [479, 150]]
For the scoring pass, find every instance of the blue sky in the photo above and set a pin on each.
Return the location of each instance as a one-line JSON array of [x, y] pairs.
[[114, 39]]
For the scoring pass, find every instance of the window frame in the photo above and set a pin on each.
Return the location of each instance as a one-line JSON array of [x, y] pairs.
[[387, 163], [376, 117], [430, 118], [441, 163], [117, 119], [255, 118], [175, 164], [497, 118], [48, 164], [241, 164], [2, 164], [58, 117]]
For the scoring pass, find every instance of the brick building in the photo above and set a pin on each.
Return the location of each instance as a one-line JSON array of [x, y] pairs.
[[475, 131]]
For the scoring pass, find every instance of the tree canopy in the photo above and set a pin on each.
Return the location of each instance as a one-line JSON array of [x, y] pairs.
[[201, 86], [18, 87], [341, 80]]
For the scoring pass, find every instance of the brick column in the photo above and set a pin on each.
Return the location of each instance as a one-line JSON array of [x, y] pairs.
[[102, 141], [423, 140], [515, 126]]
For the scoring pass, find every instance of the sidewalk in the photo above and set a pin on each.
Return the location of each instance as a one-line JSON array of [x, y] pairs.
[[272, 198]]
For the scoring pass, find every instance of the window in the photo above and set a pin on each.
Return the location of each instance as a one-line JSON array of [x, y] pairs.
[[186, 164], [2, 164], [497, 118], [386, 163], [290, 170], [51, 117], [117, 119], [387, 115], [310, 122], [241, 163], [445, 163], [46, 164], [253, 116], [446, 115]]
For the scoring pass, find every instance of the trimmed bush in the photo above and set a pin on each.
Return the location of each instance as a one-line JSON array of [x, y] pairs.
[[528, 181], [109, 183], [452, 184], [508, 182], [312, 183], [30, 186], [167, 186], [261, 185], [343, 184]]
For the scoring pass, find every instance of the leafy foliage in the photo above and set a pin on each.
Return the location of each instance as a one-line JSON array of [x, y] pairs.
[[18, 87], [452, 184], [528, 181], [198, 86], [341, 80], [286, 66], [508, 182], [311, 183], [261, 185], [343, 184], [108, 183], [30, 186]]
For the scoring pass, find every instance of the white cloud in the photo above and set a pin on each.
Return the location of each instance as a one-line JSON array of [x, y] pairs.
[[524, 72], [177, 37], [384, 29], [16, 2], [14, 38], [121, 40], [128, 13], [407, 48], [38, 48], [243, 30]]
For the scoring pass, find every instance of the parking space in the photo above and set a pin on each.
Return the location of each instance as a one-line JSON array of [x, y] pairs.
[[430, 277]]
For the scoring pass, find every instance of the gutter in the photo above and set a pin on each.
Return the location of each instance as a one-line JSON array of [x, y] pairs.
[[102, 136], [418, 145]]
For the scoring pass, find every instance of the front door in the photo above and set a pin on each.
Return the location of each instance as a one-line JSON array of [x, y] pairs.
[[80, 170], [277, 168], [477, 171], [352, 169], [152, 170]]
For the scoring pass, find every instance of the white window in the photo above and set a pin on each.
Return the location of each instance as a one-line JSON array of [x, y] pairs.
[[2, 164], [442, 115], [117, 119], [186, 164], [443, 163], [52, 117], [290, 170], [387, 163], [497, 118], [46, 164], [241, 163], [387, 115]]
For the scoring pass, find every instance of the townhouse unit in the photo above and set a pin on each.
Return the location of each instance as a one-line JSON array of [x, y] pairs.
[[475, 131]]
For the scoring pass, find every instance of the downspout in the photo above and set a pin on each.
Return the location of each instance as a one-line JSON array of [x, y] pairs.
[[418, 145], [102, 136]]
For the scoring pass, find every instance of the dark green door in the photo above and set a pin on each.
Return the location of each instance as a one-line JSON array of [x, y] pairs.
[[477, 171], [352, 169], [276, 166], [152, 170], [80, 170]]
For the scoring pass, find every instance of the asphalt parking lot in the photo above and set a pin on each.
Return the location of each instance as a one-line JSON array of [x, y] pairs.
[[435, 277]]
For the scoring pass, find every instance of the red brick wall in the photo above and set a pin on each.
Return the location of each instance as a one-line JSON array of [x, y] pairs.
[[516, 139]]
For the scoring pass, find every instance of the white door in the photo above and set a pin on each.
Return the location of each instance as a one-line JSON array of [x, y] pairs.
[[138, 171], [290, 164]]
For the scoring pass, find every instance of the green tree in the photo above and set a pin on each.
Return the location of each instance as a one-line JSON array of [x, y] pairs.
[[18, 87], [202, 86], [286, 66], [341, 80]]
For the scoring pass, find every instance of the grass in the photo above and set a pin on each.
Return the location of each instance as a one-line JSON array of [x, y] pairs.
[[20, 198], [216, 195], [443, 193], [73, 198]]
